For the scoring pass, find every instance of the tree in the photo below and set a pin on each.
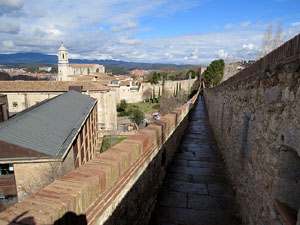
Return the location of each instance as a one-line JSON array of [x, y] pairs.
[[193, 74], [122, 106], [167, 102], [147, 94], [153, 78], [214, 72], [270, 40], [158, 92], [137, 116]]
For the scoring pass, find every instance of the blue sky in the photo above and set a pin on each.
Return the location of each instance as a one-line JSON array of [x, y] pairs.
[[161, 31]]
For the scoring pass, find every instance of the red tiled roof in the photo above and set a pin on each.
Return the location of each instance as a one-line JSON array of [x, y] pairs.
[[40, 86]]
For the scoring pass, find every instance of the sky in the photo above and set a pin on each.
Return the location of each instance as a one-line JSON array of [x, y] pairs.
[[152, 31]]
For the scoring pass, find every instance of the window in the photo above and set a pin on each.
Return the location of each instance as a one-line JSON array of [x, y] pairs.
[[6, 169], [15, 104]]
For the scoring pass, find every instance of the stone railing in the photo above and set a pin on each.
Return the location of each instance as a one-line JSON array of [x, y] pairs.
[[255, 117], [116, 187]]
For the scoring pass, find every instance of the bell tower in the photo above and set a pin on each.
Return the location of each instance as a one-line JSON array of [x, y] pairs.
[[63, 63]]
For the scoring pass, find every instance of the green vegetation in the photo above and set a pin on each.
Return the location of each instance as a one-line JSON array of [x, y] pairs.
[[126, 109], [214, 72], [110, 142], [137, 117], [193, 74]]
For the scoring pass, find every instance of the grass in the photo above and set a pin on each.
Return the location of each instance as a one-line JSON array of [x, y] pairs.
[[110, 142], [146, 107]]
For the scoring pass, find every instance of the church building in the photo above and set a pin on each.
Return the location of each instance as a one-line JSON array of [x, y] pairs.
[[65, 70]]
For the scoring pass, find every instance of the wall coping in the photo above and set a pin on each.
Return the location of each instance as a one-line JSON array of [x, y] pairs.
[[286, 53]]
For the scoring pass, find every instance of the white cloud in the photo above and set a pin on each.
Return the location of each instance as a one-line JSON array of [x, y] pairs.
[[129, 41], [229, 26], [108, 29], [129, 25], [169, 55], [7, 44], [222, 54], [295, 24], [9, 28], [248, 46], [245, 23], [10, 6]]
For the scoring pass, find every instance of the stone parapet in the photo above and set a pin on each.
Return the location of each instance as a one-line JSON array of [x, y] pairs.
[[104, 189], [255, 119]]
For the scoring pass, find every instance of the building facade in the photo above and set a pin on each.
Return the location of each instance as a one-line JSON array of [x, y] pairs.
[[46, 142], [24, 94]]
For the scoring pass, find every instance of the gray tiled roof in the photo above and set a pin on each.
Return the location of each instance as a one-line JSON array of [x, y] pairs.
[[49, 128]]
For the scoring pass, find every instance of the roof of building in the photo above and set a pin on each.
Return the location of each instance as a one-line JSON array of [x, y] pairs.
[[83, 65], [102, 76], [41, 86], [62, 48], [49, 128], [124, 83]]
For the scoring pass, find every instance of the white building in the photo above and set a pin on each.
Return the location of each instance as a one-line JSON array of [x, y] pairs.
[[65, 69]]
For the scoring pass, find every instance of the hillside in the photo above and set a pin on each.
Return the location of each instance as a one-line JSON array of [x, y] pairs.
[[29, 58]]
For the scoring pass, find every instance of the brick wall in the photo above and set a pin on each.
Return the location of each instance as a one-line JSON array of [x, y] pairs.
[[255, 119], [102, 189]]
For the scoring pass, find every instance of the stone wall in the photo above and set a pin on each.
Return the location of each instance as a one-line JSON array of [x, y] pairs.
[[137, 96], [118, 186], [255, 117]]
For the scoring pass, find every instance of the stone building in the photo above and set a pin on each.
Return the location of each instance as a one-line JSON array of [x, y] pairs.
[[65, 69], [24, 94], [45, 142]]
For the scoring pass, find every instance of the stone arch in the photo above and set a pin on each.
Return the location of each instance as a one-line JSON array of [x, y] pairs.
[[88, 71], [97, 70]]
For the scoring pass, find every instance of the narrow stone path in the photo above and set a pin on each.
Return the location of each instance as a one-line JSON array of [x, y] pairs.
[[195, 190]]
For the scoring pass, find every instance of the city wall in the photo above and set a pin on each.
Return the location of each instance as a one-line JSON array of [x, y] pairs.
[[118, 186], [255, 119], [138, 96]]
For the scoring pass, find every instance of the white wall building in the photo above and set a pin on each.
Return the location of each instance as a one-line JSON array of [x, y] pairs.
[[65, 69]]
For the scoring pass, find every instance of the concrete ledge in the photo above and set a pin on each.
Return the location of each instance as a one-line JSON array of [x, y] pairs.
[[97, 187]]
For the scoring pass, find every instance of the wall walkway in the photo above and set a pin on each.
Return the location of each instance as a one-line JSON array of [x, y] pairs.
[[196, 191]]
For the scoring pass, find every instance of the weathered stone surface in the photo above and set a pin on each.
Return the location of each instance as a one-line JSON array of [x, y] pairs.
[[289, 137], [261, 148], [289, 166], [272, 95]]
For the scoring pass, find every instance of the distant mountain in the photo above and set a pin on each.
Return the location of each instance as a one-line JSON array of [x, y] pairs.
[[20, 58]]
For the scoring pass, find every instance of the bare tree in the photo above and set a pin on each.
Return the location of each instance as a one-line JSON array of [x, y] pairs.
[[48, 173], [167, 102], [270, 41], [147, 94]]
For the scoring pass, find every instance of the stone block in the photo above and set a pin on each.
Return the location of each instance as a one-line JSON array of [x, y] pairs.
[[289, 165], [288, 95], [289, 137], [288, 192], [272, 95]]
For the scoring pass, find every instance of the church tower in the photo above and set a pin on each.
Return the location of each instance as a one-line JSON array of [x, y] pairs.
[[63, 63]]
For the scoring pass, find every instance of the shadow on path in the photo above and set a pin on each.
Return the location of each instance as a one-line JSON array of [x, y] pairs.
[[195, 190]]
